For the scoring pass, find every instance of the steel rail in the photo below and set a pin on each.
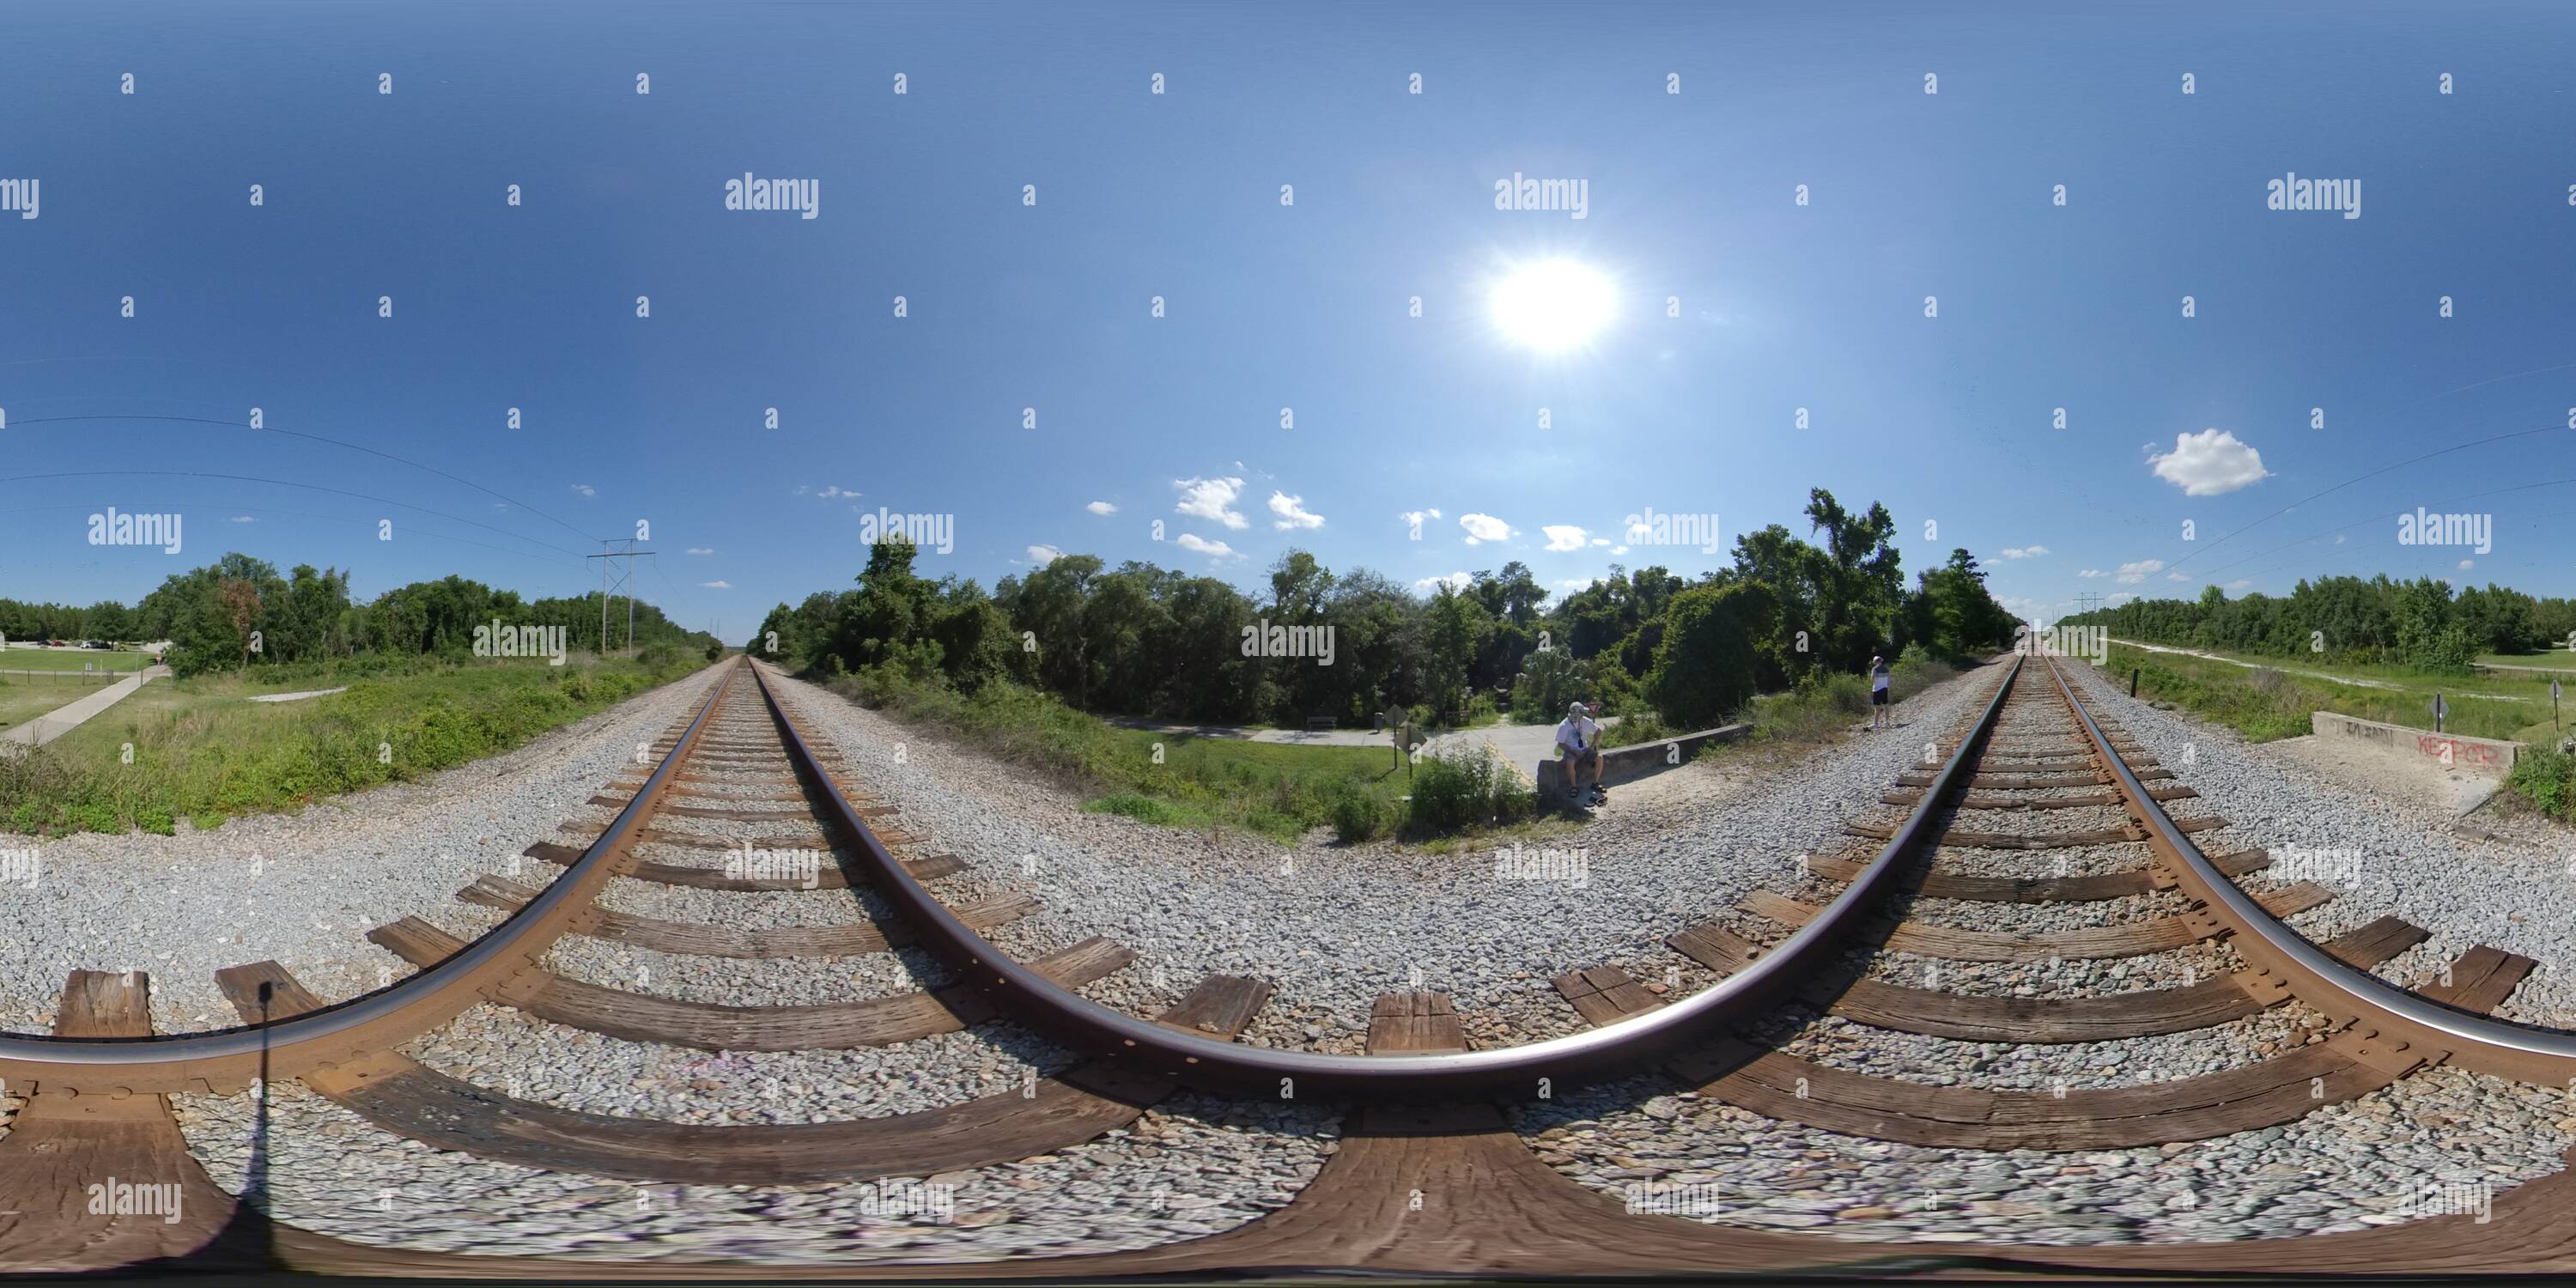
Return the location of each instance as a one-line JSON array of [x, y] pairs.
[[2377, 1007], [343, 1034], [1531, 1070]]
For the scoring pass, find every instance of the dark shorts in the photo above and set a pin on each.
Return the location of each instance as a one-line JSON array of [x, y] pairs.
[[1878, 697]]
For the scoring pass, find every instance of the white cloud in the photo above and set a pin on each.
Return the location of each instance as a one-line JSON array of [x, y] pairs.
[[1618, 550], [1212, 499], [1562, 536], [1483, 527], [1044, 555], [585, 489], [2239, 584], [2338, 538], [2209, 463], [2024, 552], [244, 518], [2131, 574], [1575, 583], [1454, 581], [717, 585], [2175, 576], [1101, 508], [1601, 541], [2467, 564], [2092, 572], [1292, 512], [832, 492], [700, 550], [1212, 549], [2121, 597]]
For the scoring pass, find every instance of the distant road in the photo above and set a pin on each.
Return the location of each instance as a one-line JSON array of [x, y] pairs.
[[2529, 670], [2264, 666], [2356, 683]]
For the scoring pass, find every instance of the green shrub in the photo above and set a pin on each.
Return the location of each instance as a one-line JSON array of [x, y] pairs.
[[1361, 815], [2547, 779], [1468, 787]]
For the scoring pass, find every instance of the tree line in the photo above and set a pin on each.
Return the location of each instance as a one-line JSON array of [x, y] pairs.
[[1145, 640], [239, 612], [2420, 623]]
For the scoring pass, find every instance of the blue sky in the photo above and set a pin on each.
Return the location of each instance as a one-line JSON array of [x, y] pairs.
[[1012, 306]]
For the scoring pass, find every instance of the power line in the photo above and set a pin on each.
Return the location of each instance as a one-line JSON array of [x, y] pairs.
[[355, 447], [2383, 518], [2356, 479], [309, 487], [337, 518]]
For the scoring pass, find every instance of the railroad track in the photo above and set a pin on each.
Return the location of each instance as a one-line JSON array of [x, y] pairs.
[[1430, 1177]]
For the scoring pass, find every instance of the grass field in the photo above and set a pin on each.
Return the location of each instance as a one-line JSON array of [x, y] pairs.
[[203, 751], [68, 659], [2265, 702]]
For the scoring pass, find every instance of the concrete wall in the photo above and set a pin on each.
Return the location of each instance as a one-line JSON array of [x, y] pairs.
[[2490, 756], [1624, 764]]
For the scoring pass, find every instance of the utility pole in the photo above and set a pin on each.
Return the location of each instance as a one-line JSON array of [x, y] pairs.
[[625, 578]]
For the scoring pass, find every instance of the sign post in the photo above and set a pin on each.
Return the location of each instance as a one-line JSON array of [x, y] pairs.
[[2440, 709], [2554, 690]]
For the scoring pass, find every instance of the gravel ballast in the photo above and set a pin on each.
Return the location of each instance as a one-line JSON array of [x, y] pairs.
[[1188, 1168], [301, 889], [1339, 926]]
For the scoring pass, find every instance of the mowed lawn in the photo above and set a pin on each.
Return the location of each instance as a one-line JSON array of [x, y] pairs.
[[71, 659], [2273, 702], [23, 699], [202, 750]]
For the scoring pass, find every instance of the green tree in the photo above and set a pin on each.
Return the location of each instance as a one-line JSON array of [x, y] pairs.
[[1706, 664]]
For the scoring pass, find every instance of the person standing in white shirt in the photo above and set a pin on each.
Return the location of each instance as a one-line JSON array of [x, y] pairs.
[[1879, 676]]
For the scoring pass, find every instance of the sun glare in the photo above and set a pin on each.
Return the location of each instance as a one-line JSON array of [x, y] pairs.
[[1553, 305]]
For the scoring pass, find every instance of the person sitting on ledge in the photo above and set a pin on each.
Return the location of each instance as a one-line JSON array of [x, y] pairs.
[[1578, 738]]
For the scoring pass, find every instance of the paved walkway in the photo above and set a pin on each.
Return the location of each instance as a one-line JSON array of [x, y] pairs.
[[299, 697], [62, 720], [2262, 666], [1523, 745]]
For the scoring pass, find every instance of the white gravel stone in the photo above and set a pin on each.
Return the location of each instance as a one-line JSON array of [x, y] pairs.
[[301, 889]]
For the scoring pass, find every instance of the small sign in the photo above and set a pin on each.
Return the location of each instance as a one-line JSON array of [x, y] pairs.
[[2440, 708], [2555, 690]]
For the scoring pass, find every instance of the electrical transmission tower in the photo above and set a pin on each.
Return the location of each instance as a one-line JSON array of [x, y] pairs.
[[609, 584]]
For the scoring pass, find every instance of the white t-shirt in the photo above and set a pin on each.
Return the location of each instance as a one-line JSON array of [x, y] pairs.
[[1878, 677], [1576, 733]]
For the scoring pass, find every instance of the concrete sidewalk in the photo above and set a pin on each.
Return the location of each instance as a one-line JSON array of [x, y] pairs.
[[62, 720], [1520, 744]]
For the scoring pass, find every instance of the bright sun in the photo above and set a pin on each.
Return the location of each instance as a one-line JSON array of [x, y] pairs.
[[1554, 304]]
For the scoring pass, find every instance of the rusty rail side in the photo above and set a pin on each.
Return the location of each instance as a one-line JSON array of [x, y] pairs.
[[2382, 1012], [1530, 1071], [344, 1035]]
